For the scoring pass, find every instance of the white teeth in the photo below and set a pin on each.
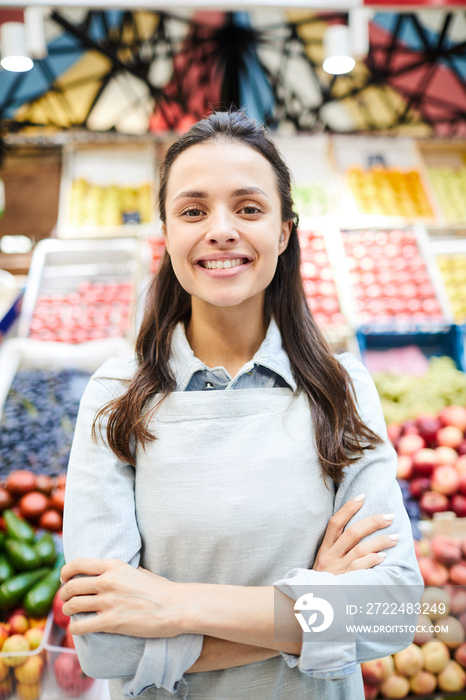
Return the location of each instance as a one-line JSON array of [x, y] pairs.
[[222, 264]]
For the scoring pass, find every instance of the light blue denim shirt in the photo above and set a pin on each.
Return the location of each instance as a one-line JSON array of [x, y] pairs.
[[100, 522]]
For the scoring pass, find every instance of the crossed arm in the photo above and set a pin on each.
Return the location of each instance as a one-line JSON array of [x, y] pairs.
[[237, 622]]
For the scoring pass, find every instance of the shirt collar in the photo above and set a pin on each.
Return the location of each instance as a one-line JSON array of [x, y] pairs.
[[271, 354]]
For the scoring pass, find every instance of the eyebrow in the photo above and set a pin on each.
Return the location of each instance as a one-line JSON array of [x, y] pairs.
[[200, 194]]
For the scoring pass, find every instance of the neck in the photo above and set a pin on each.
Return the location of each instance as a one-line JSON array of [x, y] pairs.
[[225, 337]]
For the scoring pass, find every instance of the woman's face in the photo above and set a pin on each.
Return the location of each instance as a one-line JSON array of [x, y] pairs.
[[223, 223]]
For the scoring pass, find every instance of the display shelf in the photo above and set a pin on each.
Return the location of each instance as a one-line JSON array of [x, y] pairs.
[[107, 191], [450, 255], [445, 165], [83, 290], [382, 177], [17, 354], [391, 280], [313, 180]]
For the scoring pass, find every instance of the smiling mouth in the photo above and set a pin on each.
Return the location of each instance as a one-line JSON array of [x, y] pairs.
[[222, 264]]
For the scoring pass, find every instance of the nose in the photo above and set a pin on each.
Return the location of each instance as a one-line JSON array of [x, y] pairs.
[[221, 228]]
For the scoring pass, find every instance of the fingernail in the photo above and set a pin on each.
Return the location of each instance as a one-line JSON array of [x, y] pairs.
[[359, 498], [389, 516], [382, 555], [394, 537]]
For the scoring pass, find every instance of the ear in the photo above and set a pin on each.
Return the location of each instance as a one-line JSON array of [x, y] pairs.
[[285, 232], [164, 231]]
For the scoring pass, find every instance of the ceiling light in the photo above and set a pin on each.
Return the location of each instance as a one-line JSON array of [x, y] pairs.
[[13, 48], [358, 22], [337, 53]]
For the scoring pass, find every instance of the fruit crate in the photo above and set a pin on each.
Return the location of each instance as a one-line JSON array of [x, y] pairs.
[[82, 290], [382, 178], [445, 165], [391, 279], [107, 191], [313, 183], [23, 673], [450, 256], [64, 677], [36, 433]]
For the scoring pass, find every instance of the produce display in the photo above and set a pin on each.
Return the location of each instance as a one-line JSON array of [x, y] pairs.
[[386, 191], [389, 276], [436, 660], [94, 310], [37, 499], [318, 280], [449, 185], [432, 458], [38, 421], [404, 397], [68, 674], [453, 269], [157, 246], [92, 205], [311, 199]]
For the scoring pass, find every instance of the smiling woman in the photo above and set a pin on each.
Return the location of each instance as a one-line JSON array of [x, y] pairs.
[[224, 467]]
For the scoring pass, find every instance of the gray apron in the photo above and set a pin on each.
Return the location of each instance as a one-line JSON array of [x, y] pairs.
[[231, 492]]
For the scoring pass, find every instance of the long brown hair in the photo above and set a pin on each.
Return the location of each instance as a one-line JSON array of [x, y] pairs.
[[340, 434]]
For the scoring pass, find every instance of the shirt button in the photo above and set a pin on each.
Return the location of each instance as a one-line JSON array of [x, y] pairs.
[[209, 385]]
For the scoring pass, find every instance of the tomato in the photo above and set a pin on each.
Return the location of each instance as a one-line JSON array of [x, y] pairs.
[[33, 504], [51, 520], [57, 499], [21, 481], [6, 499], [44, 483]]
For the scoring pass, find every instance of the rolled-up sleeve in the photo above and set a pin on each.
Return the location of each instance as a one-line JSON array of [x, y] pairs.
[[100, 522], [375, 475]]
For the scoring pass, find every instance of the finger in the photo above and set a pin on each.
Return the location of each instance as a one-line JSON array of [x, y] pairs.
[[340, 519], [355, 533], [87, 585], [367, 562], [82, 604], [374, 545], [88, 567], [87, 625]]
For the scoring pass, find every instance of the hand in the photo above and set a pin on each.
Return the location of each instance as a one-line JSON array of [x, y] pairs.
[[343, 551], [127, 601]]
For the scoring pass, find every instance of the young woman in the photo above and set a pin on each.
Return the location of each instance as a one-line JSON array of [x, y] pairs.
[[227, 457]]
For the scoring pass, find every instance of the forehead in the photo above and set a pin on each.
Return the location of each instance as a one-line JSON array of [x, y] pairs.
[[217, 164]]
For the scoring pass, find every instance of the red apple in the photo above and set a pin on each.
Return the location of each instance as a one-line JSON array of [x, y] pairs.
[[462, 448], [377, 670], [458, 505], [433, 572], [409, 444], [446, 549], [428, 425], [405, 467], [69, 675], [446, 455], [370, 691], [458, 573], [445, 479], [394, 432], [432, 502], [460, 465], [424, 461], [449, 436], [18, 624], [59, 616], [418, 486], [454, 415]]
